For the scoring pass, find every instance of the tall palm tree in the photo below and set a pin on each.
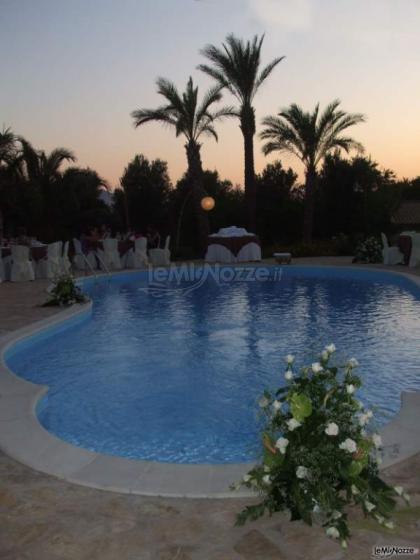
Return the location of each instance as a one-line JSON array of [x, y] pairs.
[[236, 66], [193, 120], [310, 137]]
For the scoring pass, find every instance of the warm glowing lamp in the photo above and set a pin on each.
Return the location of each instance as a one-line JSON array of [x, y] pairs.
[[207, 203]]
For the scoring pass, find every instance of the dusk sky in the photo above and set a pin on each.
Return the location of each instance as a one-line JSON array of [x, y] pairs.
[[72, 71]]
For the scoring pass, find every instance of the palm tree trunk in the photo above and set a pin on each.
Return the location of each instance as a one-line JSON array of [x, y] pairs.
[[195, 175], [248, 131], [308, 215]]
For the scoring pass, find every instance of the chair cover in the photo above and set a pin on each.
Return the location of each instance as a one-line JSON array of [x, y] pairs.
[[21, 268], [137, 257], [161, 257]]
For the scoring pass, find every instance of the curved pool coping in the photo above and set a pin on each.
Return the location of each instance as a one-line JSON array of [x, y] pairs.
[[24, 439]]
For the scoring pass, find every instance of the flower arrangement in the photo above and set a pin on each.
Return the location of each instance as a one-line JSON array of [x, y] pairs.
[[369, 251], [65, 292], [319, 455]]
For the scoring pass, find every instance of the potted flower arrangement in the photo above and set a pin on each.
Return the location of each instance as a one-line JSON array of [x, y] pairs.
[[319, 455], [64, 292]]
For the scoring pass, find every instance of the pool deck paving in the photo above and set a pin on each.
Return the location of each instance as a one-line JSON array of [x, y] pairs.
[[44, 518]]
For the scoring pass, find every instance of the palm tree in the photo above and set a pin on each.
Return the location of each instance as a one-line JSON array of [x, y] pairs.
[[7, 156], [193, 121], [236, 66], [42, 167], [310, 137]]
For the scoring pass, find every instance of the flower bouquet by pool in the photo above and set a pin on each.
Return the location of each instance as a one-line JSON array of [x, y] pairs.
[[319, 455], [64, 292]]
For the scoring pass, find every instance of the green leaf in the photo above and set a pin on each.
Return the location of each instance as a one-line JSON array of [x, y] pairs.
[[355, 468], [301, 406]]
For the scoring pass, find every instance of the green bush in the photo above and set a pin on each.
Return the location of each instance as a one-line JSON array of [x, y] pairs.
[[319, 456]]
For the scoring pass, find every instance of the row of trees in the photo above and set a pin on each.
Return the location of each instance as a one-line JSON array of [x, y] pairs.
[[36, 194], [338, 195], [352, 196], [236, 67]]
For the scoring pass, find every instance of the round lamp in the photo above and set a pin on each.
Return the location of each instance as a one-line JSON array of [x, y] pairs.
[[207, 203]]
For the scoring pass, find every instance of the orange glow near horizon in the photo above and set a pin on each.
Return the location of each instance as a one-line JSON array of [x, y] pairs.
[[76, 71]]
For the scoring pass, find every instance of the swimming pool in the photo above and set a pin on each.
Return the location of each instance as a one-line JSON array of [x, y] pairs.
[[176, 378]]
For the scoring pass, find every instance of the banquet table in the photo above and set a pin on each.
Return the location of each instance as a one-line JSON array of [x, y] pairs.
[[233, 249]]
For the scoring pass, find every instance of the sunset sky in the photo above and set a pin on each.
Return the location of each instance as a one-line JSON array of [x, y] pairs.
[[72, 71]]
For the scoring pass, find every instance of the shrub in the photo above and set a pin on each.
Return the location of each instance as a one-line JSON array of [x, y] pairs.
[[369, 251], [318, 455], [65, 292]]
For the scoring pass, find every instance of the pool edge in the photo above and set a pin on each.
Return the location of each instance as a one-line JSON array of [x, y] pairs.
[[24, 439]]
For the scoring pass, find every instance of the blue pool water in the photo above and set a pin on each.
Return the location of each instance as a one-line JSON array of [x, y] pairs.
[[175, 375]]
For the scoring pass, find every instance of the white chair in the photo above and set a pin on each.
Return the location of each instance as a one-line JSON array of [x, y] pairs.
[[21, 267], [137, 257], [110, 256], [390, 255], [65, 264], [415, 250], [50, 266], [80, 260], [161, 257]]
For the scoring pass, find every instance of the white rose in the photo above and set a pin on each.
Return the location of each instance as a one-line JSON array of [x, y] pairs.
[[348, 445], [288, 375], [302, 472], [330, 348], [379, 518], [377, 440], [316, 508], [277, 405], [332, 532], [354, 490], [266, 479], [352, 363], [369, 506], [290, 359], [363, 419], [350, 389], [336, 514], [263, 402], [344, 544], [325, 355], [331, 429], [246, 478], [389, 524], [281, 445], [292, 424], [316, 367]]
